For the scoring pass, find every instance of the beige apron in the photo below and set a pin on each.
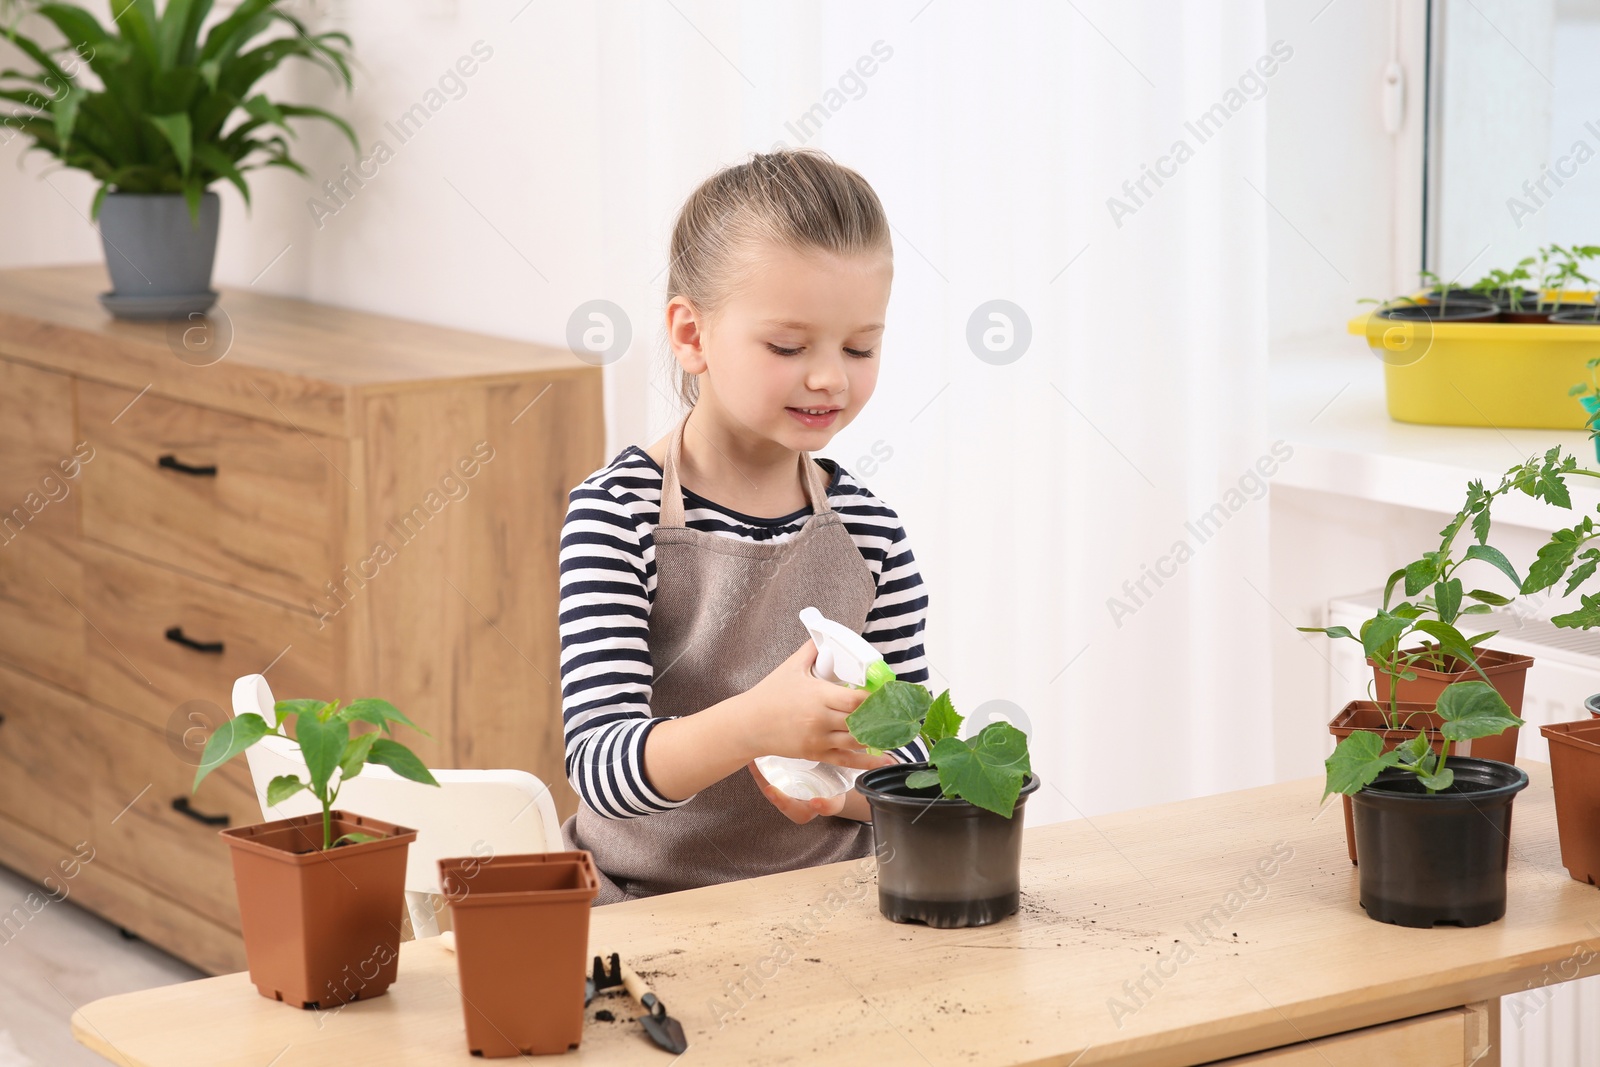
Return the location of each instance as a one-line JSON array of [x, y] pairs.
[[725, 615]]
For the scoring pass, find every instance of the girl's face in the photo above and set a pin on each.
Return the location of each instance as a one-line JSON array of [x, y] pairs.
[[803, 334]]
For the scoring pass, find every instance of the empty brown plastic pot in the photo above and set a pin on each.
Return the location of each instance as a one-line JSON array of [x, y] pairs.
[[522, 943], [1507, 672], [1575, 770], [1372, 717], [321, 928]]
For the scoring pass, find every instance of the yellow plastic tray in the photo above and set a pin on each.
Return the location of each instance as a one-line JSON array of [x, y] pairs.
[[1482, 374]]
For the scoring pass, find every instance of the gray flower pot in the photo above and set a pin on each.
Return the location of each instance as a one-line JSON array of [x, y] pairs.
[[159, 260]]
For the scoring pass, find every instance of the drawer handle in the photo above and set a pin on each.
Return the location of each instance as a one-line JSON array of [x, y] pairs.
[[181, 806], [176, 634], [172, 463]]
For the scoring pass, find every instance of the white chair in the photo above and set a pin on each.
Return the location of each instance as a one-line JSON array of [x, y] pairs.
[[471, 813]]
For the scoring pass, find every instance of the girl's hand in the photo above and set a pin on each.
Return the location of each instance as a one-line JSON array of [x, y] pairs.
[[793, 713], [800, 811]]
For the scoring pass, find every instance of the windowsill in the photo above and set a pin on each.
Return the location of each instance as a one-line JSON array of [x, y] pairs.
[[1327, 402]]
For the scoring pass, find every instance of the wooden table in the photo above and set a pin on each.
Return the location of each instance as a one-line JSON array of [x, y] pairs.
[[1179, 934]]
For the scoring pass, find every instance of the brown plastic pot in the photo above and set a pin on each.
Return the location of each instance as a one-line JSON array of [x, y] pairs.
[[320, 928], [1575, 770], [1372, 717], [522, 943], [1508, 673]]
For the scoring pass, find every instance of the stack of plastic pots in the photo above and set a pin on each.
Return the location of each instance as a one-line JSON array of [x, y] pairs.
[[522, 942]]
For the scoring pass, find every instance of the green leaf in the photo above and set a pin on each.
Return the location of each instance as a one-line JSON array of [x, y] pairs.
[[1489, 598], [401, 760], [1552, 490], [1451, 641], [922, 779], [175, 128], [1421, 574], [227, 741], [942, 720], [1414, 750], [1380, 632], [1556, 555], [322, 744], [179, 26], [1331, 631], [282, 788], [355, 837], [988, 770], [892, 716], [1447, 599], [1583, 571], [1584, 617], [1473, 709], [1495, 558], [1355, 762], [213, 158], [297, 110], [354, 755], [1388, 586], [66, 115], [1439, 781], [293, 709], [379, 713], [265, 110]]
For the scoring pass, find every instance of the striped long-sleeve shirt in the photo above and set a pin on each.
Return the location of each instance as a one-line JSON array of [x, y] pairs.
[[608, 582]]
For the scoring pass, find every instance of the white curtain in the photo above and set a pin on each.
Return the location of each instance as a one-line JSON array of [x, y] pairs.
[[1033, 489]]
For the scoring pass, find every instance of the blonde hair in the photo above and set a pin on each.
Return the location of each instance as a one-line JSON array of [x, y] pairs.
[[798, 199]]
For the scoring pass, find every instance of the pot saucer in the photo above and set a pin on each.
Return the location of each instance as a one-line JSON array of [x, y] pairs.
[[169, 306]]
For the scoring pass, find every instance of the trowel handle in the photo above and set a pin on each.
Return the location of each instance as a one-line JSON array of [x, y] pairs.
[[641, 992]]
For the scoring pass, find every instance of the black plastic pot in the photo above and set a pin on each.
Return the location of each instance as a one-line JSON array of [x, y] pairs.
[[1579, 315], [942, 862], [1439, 858], [1455, 310]]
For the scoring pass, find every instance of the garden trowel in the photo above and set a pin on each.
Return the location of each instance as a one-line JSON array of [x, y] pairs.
[[663, 1029]]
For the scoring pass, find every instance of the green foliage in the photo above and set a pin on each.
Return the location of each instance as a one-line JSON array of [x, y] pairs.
[[158, 118], [1468, 710], [987, 770], [333, 755], [1437, 601]]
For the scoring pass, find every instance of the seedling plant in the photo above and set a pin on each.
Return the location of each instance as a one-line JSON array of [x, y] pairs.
[[322, 733]]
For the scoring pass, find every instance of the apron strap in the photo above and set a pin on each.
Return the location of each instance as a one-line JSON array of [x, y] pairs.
[[672, 488]]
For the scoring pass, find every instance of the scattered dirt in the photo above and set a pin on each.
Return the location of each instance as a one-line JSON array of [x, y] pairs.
[[605, 1015]]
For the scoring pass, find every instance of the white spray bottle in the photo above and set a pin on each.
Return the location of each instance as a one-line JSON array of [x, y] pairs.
[[844, 657]]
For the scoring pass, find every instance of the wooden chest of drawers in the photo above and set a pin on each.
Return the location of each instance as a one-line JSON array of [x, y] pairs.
[[350, 504]]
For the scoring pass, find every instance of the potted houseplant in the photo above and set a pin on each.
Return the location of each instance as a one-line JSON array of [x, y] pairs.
[[1408, 679], [155, 131], [320, 895], [1438, 600], [1432, 828], [966, 800]]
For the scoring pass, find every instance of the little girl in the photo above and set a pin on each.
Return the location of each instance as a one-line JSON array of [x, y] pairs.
[[683, 657]]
